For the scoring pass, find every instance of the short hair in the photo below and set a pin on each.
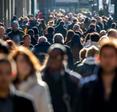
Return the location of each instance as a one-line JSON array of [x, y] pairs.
[[42, 39], [58, 38], [26, 36], [110, 43], [94, 37], [82, 53], [92, 51], [111, 31], [4, 48]]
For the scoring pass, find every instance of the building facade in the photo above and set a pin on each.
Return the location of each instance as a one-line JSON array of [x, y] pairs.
[[8, 8]]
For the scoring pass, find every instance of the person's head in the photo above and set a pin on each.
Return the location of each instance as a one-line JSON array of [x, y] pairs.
[[92, 51], [82, 53], [62, 23], [102, 33], [4, 48], [2, 31], [42, 39], [57, 57], [31, 32], [15, 25], [94, 37], [12, 45], [36, 31], [112, 33], [75, 20], [76, 27], [7, 72], [70, 35], [27, 63], [27, 40], [58, 38], [114, 25], [108, 56], [50, 30]]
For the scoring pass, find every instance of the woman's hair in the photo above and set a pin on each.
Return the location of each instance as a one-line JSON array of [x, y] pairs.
[[29, 56], [11, 44]]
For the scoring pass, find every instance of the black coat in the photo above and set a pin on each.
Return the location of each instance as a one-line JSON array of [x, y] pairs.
[[56, 87], [22, 103], [92, 95], [61, 29]]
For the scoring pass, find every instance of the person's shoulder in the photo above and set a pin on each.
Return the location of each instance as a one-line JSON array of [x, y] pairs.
[[88, 81], [22, 97], [73, 75]]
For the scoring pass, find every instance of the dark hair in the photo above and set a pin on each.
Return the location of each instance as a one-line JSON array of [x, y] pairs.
[[4, 47], [25, 36], [94, 37], [108, 44], [70, 35]]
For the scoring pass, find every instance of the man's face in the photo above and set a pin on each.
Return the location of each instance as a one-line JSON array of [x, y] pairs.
[[14, 26], [55, 61], [27, 40], [108, 59], [5, 76]]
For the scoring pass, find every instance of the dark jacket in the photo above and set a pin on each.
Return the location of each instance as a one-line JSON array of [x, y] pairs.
[[70, 57], [63, 87], [86, 67], [16, 36], [40, 50], [61, 29], [21, 103], [92, 95]]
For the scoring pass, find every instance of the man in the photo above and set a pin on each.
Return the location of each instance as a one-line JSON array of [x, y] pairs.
[[88, 64], [61, 29], [16, 34], [99, 91], [63, 83], [58, 38], [27, 41], [10, 100], [41, 48]]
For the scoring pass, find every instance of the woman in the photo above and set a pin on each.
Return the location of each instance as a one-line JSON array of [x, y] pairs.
[[28, 79]]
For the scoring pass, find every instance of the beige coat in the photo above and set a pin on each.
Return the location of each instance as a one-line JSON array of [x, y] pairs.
[[39, 92]]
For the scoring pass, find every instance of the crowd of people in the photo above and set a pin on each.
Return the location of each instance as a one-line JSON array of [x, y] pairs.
[[67, 63]]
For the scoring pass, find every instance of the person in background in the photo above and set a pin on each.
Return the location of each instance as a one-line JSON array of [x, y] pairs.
[[16, 34], [63, 83], [2, 32], [61, 29], [50, 34], [58, 38], [82, 56], [112, 33], [41, 48], [27, 41], [70, 27], [29, 80], [10, 99], [33, 40], [12, 46], [98, 91], [88, 65], [4, 47]]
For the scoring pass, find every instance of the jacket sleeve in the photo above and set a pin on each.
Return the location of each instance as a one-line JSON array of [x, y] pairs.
[[45, 101]]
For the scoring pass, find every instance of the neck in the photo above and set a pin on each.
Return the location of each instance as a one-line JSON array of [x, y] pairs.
[[4, 94]]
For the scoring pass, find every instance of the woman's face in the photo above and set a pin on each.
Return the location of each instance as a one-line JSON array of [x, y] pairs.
[[23, 67]]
